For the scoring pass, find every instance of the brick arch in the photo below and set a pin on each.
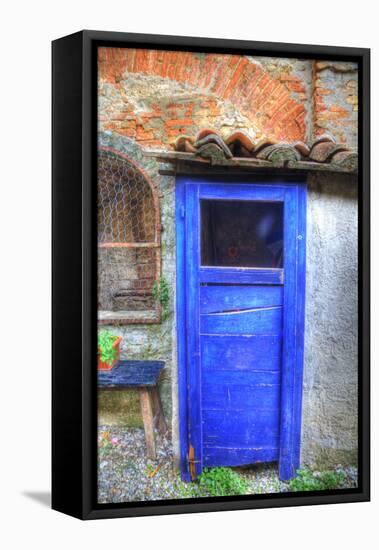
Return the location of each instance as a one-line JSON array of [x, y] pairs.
[[266, 101]]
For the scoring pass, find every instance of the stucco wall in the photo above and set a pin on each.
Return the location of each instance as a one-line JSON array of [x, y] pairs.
[[329, 427]]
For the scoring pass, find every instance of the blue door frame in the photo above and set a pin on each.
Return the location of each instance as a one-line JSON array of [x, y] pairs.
[[190, 275]]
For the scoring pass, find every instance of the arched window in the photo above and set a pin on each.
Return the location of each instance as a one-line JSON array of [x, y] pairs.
[[128, 241]]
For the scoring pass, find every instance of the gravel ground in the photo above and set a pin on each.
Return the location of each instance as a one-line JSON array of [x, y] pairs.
[[125, 474]]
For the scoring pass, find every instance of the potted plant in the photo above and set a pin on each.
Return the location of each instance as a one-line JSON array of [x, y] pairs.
[[108, 350]]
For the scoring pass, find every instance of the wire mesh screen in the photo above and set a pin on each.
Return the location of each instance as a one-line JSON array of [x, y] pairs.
[[125, 202], [127, 239]]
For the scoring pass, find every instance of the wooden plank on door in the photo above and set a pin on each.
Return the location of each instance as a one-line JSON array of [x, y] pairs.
[[233, 396], [192, 324], [236, 428], [219, 298], [260, 320], [239, 456], [252, 352]]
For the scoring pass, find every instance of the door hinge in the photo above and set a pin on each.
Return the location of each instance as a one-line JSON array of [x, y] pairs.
[[192, 462], [182, 211]]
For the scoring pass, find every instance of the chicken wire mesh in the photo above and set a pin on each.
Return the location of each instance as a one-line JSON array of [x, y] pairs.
[[127, 240]]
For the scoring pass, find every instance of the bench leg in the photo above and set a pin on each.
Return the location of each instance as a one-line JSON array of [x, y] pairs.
[[159, 418], [148, 421]]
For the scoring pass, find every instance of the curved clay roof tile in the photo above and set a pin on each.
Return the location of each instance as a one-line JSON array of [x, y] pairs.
[[302, 147], [215, 139], [280, 152], [262, 143], [323, 139], [242, 138], [210, 144], [185, 143], [204, 132], [324, 151], [347, 160]]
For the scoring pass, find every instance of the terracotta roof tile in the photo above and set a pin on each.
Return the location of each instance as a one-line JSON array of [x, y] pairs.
[[209, 144]]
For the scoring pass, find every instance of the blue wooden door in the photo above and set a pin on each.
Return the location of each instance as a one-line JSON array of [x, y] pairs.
[[241, 261]]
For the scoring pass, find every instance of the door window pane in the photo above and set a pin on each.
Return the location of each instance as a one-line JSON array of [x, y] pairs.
[[241, 233]]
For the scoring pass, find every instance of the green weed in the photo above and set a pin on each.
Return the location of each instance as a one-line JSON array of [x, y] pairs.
[[221, 482], [317, 481]]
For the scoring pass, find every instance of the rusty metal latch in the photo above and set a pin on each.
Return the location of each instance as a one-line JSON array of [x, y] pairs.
[[192, 462]]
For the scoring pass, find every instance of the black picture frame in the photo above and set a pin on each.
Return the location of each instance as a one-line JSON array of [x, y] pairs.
[[74, 89]]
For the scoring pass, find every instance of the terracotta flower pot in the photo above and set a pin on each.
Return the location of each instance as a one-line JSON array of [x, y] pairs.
[[105, 366]]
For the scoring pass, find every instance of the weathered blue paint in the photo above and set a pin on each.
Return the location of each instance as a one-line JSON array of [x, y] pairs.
[[195, 427], [293, 331], [260, 352], [228, 275], [240, 339], [226, 456], [214, 299], [181, 328], [130, 374], [259, 320]]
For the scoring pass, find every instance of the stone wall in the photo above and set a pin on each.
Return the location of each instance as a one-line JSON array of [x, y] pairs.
[[149, 341], [146, 100], [335, 102]]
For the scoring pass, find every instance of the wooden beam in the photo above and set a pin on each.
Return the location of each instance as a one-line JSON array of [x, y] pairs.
[[159, 419], [148, 421]]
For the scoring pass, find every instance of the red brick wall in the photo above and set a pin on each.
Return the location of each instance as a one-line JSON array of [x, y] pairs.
[[154, 96]]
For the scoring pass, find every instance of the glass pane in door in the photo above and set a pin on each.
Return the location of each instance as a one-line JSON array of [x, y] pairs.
[[237, 233]]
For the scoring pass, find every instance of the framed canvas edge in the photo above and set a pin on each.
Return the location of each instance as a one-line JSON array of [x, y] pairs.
[[67, 490], [86, 507]]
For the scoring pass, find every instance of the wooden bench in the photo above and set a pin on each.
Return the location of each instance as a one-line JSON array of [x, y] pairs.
[[144, 376]]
